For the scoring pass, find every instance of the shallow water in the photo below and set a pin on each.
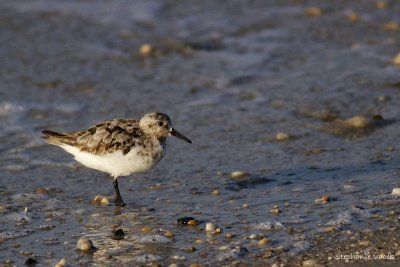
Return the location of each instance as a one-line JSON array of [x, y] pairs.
[[231, 76]]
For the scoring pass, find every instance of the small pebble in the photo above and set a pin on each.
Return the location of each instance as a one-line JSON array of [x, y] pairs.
[[210, 227], [245, 205], [380, 4], [42, 190], [396, 60], [118, 234], [178, 257], [61, 263], [229, 235], [364, 243], [168, 234], [193, 222], [396, 191], [357, 122], [223, 247], [146, 229], [263, 241], [310, 263], [313, 11], [30, 262], [84, 244], [329, 229], [146, 50], [185, 220], [101, 200], [391, 26], [275, 209], [282, 137], [215, 193], [199, 241], [322, 200], [239, 174], [352, 16], [195, 264], [254, 236], [173, 265]]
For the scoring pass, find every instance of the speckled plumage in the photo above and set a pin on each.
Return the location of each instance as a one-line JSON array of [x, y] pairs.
[[119, 147]]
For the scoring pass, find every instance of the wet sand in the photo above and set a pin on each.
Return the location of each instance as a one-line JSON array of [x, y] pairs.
[[302, 96]]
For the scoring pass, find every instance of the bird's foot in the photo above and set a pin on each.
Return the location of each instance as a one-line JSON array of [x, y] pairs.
[[119, 202]]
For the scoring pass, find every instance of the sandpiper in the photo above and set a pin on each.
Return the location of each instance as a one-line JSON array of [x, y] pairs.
[[119, 147]]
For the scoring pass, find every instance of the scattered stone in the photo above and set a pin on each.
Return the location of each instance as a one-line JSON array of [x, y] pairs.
[[190, 249], [193, 222], [229, 235], [396, 191], [275, 209], [194, 264], [84, 244], [313, 11], [239, 174], [352, 16], [146, 229], [391, 26], [223, 247], [101, 200], [357, 122], [254, 236], [185, 220], [210, 227], [61, 263], [365, 243], [168, 234], [329, 229], [146, 50], [30, 262], [282, 137], [310, 263], [245, 205], [199, 241], [215, 193], [323, 200], [178, 257], [118, 234], [263, 241], [380, 4], [396, 60], [42, 190]]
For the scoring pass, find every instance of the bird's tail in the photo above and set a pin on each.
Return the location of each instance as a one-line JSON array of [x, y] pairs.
[[56, 138]]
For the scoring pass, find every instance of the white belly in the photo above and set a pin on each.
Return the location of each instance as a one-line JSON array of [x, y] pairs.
[[116, 164]]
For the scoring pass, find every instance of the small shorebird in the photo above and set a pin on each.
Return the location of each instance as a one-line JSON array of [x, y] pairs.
[[119, 147]]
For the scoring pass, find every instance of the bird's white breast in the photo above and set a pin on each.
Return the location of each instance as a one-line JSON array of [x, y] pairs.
[[117, 164]]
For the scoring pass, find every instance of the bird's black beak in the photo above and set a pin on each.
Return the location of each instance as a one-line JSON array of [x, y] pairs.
[[179, 135]]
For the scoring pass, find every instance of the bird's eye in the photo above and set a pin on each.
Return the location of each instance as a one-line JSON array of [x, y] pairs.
[[160, 123]]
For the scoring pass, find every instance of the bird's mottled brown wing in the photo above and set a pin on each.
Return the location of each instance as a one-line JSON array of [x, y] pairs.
[[102, 138]]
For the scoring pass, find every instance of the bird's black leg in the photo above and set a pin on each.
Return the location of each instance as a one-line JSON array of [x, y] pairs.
[[118, 200]]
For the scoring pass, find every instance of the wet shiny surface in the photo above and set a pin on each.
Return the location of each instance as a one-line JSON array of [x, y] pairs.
[[231, 76]]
